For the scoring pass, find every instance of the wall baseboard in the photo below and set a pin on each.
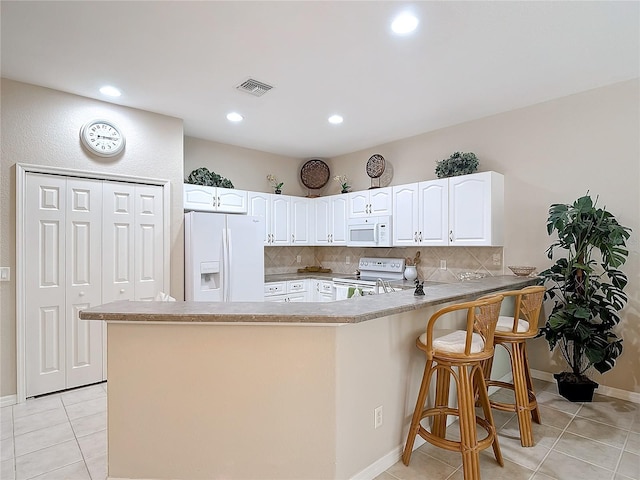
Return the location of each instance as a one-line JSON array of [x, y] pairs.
[[602, 389], [8, 400]]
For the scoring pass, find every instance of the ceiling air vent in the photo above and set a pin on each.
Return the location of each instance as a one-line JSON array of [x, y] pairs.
[[254, 87]]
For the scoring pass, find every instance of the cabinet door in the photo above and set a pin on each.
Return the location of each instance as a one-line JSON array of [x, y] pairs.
[[148, 242], [405, 215], [358, 204], [83, 252], [231, 200], [199, 197], [301, 224], [434, 213], [338, 220], [380, 201], [260, 206], [280, 220], [470, 209], [323, 221], [45, 283]]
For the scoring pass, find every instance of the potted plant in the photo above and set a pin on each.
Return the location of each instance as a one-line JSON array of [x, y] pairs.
[[202, 176], [587, 291], [277, 186], [344, 183], [457, 164]]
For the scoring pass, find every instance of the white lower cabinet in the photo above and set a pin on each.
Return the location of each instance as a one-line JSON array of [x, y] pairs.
[[289, 291], [323, 291], [80, 253]]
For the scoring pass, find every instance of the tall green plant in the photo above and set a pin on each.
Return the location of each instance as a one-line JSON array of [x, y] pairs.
[[585, 285]]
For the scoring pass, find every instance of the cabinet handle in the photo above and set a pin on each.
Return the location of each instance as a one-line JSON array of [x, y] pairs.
[[420, 236], [293, 238], [451, 235], [415, 236], [331, 237], [218, 201]]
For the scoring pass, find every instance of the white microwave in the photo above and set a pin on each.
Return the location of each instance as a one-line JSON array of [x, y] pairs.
[[369, 232]]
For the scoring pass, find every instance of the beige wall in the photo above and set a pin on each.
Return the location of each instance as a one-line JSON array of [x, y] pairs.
[[246, 168], [549, 153], [41, 127]]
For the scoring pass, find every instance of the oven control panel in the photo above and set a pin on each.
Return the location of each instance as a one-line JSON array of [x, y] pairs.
[[383, 265]]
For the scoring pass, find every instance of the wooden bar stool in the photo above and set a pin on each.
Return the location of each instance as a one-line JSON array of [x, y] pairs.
[[512, 333], [458, 354]]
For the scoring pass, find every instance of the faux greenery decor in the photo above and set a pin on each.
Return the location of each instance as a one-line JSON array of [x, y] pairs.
[[585, 286], [202, 176], [457, 164]]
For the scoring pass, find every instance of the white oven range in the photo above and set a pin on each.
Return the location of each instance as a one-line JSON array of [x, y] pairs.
[[372, 271]]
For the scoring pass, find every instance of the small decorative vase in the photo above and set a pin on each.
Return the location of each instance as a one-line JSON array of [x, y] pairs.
[[344, 190], [278, 191], [410, 272]]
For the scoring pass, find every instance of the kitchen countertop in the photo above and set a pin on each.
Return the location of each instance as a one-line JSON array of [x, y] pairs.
[[353, 310]]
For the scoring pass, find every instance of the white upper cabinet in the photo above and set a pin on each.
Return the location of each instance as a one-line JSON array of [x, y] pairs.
[[276, 212], [476, 209], [465, 210], [214, 199], [331, 220], [302, 221], [375, 202]]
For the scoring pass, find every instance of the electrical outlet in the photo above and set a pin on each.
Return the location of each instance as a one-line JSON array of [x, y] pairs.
[[496, 259], [348, 260], [5, 274], [377, 417], [299, 258], [443, 264]]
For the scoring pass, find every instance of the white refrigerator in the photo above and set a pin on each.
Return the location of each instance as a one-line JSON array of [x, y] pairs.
[[224, 257]]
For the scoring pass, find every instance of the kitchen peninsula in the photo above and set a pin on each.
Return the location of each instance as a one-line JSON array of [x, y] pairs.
[[267, 390]]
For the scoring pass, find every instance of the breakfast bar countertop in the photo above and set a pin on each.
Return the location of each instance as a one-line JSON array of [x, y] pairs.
[[349, 311]]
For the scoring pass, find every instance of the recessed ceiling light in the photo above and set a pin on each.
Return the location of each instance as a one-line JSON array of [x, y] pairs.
[[404, 23], [234, 117], [335, 119], [110, 91]]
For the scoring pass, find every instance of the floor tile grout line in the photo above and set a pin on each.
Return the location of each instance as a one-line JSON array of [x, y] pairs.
[[626, 440]]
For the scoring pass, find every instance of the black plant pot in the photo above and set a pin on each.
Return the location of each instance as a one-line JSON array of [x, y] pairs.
[[575, 389]]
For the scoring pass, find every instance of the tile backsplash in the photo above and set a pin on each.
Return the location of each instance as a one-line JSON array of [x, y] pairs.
[[458, 260]]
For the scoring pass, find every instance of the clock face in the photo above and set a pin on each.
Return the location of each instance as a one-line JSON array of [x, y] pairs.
[[102, 138]]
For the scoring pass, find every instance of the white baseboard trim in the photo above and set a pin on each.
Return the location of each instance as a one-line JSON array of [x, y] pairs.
[[8, 400], [602, 389], [383, 463]]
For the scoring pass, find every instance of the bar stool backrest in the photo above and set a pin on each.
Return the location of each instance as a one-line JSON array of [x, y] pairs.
[[527, 306]]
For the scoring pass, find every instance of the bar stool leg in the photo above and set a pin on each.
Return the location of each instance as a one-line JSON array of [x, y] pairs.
[[520, 386], [467, 421], [535, 413], [483, 399], [439, 425], [417, 413]]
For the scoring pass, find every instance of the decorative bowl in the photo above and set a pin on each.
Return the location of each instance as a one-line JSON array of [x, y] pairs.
[[522, 271]]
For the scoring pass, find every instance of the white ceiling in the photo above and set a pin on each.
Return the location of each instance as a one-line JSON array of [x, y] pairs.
[[467, 60]]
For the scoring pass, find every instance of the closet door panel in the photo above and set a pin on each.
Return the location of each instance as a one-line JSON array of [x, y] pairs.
[[148, 242], [83, 281], [118, 241], [45, 283]]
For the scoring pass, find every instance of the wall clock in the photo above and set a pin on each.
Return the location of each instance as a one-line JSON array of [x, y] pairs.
[[102, 138]]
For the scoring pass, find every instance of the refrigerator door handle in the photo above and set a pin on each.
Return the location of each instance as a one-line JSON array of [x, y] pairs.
[[226, 260]]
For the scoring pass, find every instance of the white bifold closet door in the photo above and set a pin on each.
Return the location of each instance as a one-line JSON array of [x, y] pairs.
[[90, 242], [63, 276], [133, 241]]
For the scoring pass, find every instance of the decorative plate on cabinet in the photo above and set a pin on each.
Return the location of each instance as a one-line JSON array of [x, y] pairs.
[[375, 166], [315, 174]]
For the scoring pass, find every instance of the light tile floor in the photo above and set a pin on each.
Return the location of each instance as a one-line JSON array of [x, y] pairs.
[[55, 437], [576, 441], [64, 436]]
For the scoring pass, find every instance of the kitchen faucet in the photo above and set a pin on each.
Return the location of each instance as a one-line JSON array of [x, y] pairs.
[[386, 286]]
